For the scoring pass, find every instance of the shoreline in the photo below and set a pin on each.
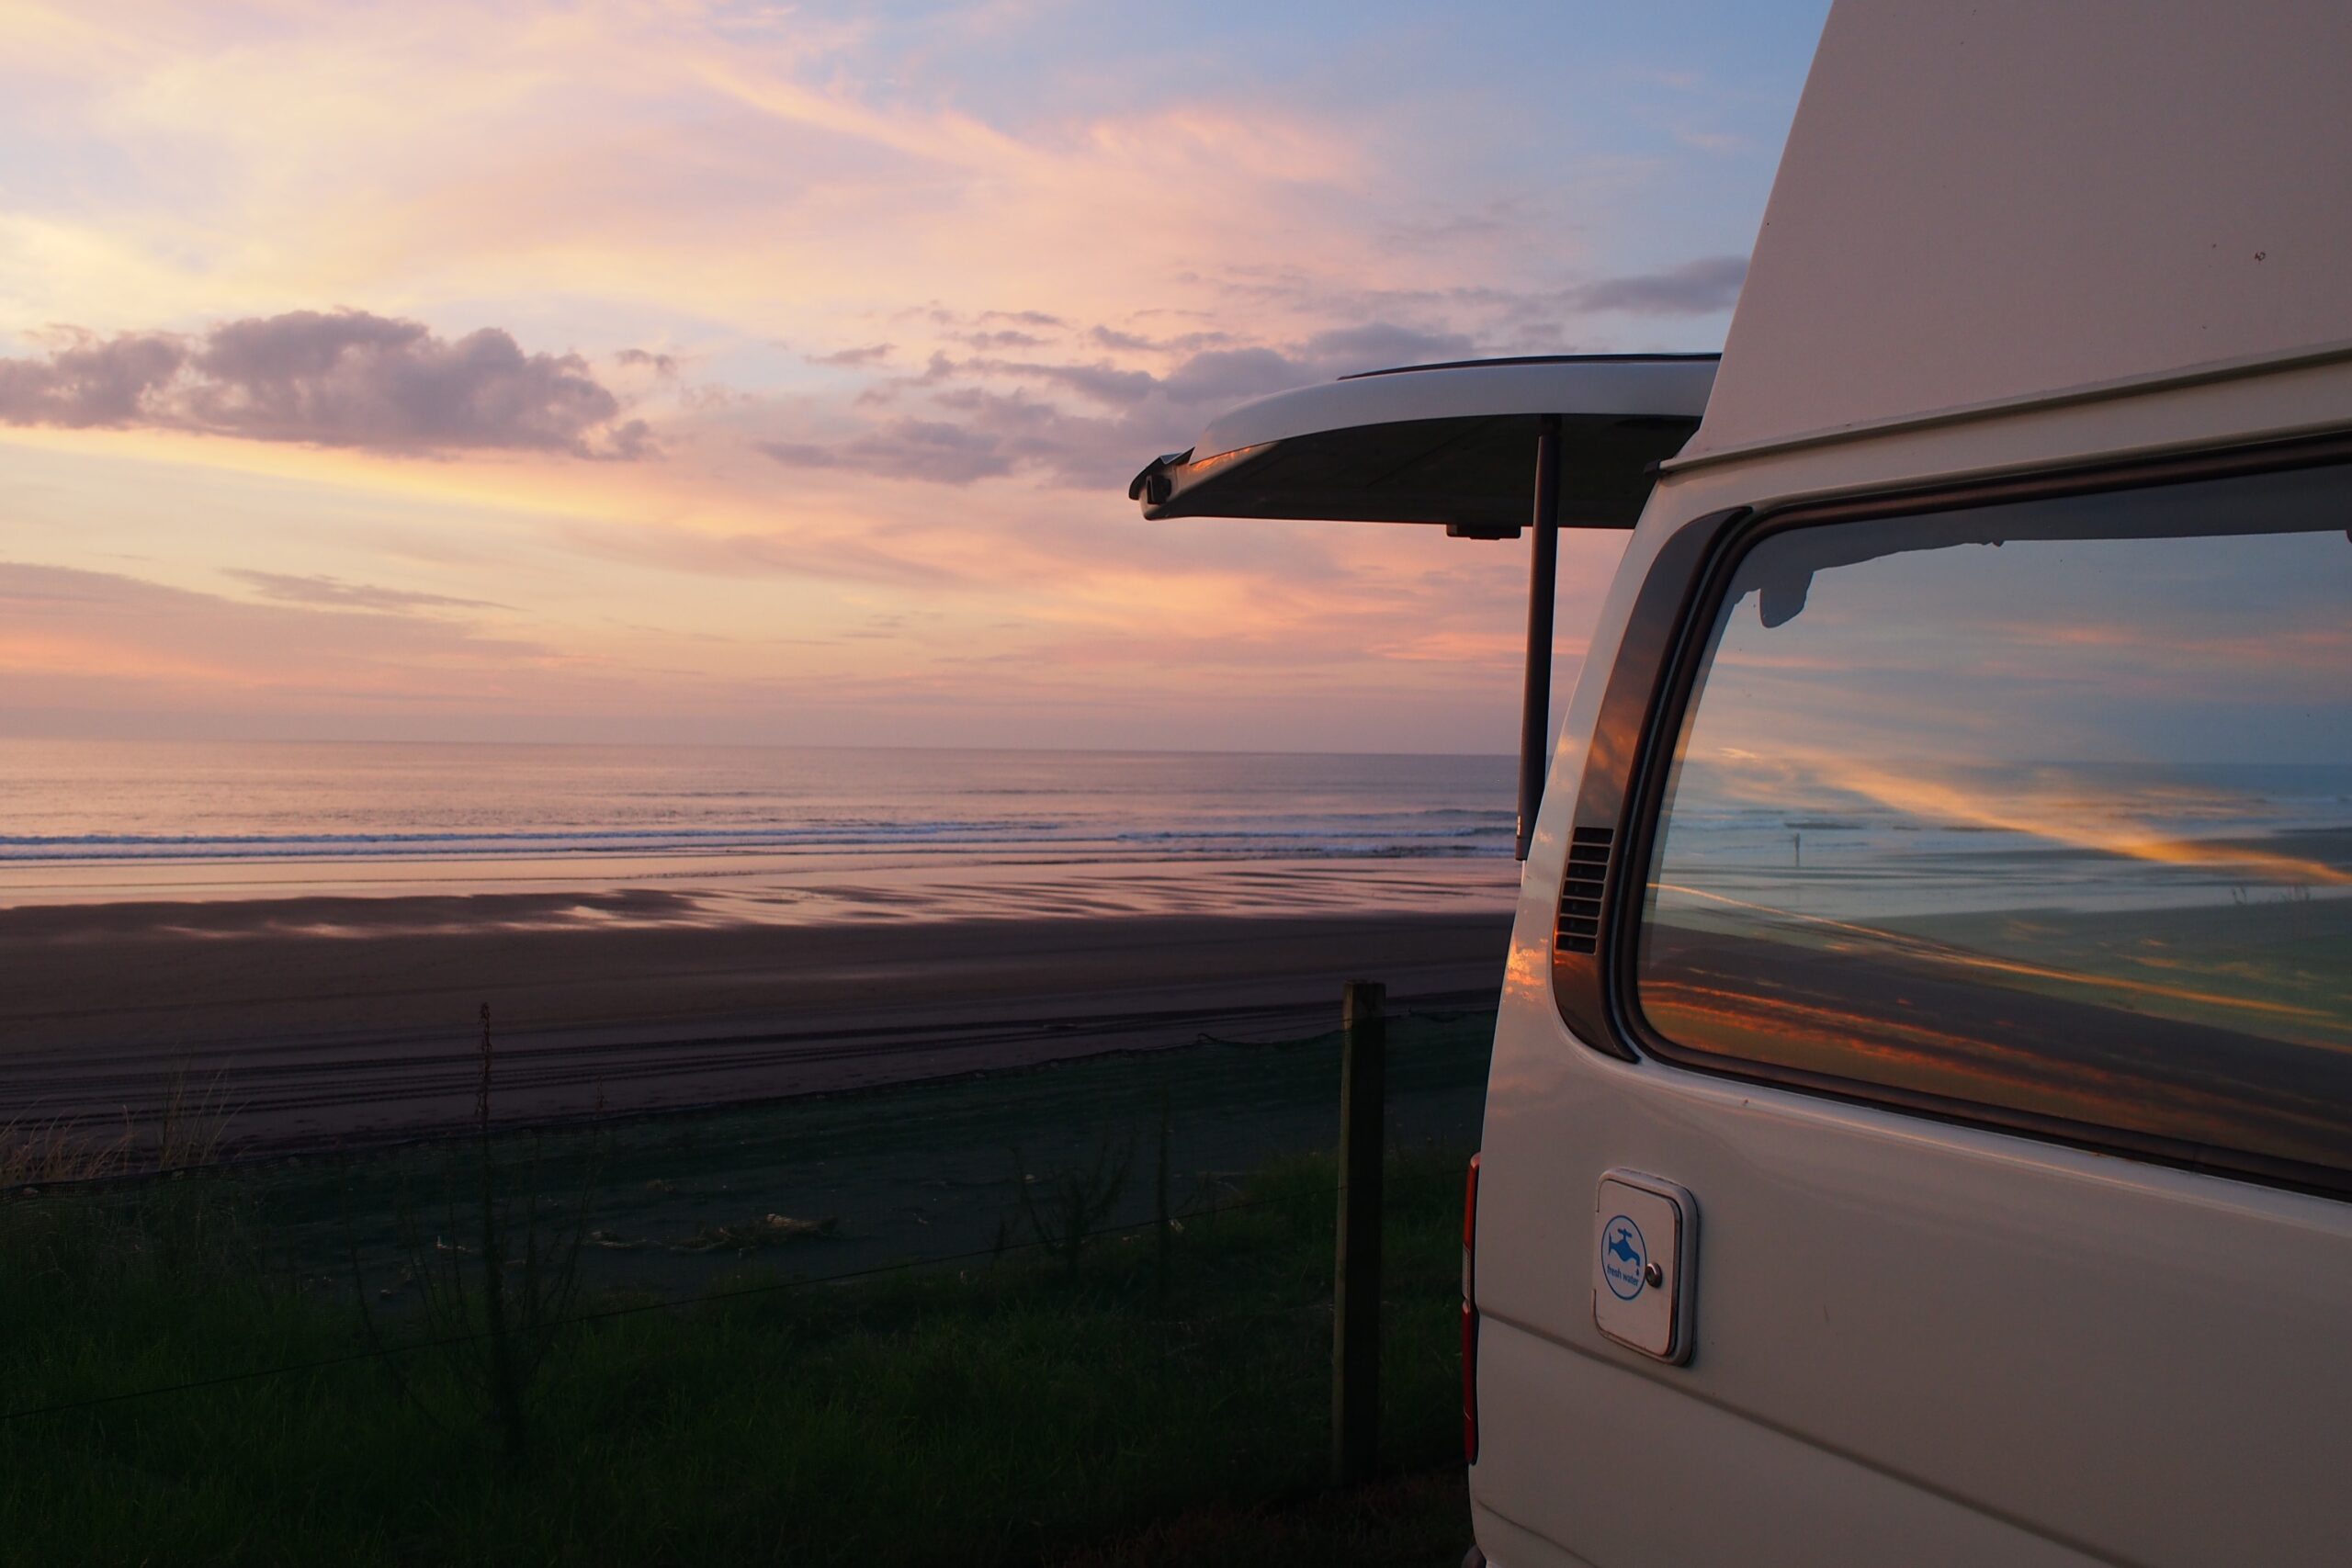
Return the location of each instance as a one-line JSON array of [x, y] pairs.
[[325, 1019], [791, 888]]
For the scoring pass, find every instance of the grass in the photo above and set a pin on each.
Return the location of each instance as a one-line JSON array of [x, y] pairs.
[[1421, 1521], [185, 1130], [1015, 1411]]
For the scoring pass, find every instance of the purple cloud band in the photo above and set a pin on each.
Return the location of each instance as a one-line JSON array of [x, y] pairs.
[[330, 378]]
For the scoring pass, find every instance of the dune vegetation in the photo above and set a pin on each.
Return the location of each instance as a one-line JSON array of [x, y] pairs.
[[1157, 1393]]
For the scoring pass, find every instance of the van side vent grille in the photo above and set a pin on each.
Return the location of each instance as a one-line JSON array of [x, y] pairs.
[[1580, 926]]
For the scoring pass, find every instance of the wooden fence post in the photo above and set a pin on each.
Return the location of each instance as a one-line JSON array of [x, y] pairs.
[[1355, 1319]]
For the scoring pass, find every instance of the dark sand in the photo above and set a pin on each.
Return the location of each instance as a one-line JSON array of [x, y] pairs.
[[321, 1019]]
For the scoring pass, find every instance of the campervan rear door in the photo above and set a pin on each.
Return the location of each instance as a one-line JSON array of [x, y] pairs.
[[1484, 448], [1448, 444]]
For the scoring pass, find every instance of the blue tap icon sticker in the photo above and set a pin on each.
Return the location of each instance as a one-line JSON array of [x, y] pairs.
[[1623, 1257]]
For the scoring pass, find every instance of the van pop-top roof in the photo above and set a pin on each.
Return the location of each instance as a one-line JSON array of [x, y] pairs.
[[1484, 448], [1985, 207]]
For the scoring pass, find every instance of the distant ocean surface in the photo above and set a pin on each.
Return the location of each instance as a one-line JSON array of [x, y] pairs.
[[95, 803]]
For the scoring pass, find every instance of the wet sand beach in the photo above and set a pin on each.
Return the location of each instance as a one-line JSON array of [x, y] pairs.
[[322, 1018]]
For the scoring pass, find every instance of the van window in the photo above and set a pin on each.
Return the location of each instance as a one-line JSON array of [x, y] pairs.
[[2039, 812]]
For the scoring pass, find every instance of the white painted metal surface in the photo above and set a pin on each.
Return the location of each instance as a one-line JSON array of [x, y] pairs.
[[1453, 444], [1671, 386], [1981, 203], [1921, 1342]]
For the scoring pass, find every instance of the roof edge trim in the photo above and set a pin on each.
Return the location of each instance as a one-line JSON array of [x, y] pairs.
[[2123, 387], [1709, 357]]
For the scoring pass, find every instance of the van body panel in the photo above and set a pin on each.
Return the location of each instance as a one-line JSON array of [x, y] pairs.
[[1766, 1500], [1905, 1322], [2042, 1334], [1505, 1544], [1993, 201]]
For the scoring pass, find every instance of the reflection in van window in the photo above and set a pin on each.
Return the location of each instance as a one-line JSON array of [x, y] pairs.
[[2044, 809]]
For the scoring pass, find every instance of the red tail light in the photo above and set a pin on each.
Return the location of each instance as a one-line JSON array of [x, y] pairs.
[[1470, 1318]]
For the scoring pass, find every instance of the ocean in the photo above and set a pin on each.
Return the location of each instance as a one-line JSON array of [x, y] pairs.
[[83, 820]]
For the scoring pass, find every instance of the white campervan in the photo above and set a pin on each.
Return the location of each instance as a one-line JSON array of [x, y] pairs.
[[1920, 1123]]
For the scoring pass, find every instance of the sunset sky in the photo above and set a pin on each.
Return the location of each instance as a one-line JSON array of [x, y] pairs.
[[675, 371]]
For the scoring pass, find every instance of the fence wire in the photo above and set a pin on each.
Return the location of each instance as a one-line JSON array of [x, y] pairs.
[[671, 1210]]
